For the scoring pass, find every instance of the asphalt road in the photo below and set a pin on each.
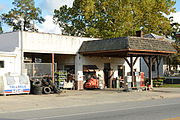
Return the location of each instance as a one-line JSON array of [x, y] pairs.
[[143, 110]]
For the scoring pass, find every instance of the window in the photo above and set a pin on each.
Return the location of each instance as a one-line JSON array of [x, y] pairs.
[[1, 64]]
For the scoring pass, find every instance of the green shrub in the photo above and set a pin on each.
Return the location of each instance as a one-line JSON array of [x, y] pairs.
[[157, 82]]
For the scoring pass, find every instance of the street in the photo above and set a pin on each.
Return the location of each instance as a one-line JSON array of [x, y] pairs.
[[150, 110]]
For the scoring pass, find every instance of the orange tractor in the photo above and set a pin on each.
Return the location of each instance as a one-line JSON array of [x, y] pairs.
[[91, 83]]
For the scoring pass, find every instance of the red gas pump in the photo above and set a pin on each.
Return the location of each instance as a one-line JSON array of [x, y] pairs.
[[142, 82]]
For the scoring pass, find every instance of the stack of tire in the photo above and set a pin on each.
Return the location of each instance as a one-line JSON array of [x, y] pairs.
[[43, 86], [36, 87]]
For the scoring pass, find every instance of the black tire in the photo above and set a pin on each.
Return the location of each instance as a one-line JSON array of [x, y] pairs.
[[45, 83], [37, 83], [51, 83], [37, 90], [46, 90], [56, 90]]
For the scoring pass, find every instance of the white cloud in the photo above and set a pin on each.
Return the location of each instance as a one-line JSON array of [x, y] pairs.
[[48, 26], [50, 5], [1, 7], [176, 16]]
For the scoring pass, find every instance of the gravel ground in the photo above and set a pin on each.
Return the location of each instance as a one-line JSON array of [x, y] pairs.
[[69, 98]]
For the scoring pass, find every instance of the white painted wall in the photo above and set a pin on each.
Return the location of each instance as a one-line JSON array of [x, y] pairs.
[[65, 60], [9, 41], [80, 60], [10, 52], [11, 62], [41, 42], [99, 62], [51, 43], [136, 66]]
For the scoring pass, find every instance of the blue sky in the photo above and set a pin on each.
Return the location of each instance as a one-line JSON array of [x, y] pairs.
[[177, 5], [47, 7]]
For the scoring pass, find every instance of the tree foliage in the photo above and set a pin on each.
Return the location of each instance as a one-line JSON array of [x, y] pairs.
[[174, 59], [175, 28], [27, 12], [71, 19], [114, 18], [1, 31]]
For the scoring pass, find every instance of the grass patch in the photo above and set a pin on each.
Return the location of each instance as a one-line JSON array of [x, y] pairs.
[[171, 85]]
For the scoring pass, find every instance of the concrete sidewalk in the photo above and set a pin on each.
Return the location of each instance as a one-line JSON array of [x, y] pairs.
[[69, 98]]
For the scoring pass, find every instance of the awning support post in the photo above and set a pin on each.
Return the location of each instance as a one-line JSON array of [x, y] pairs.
[[150, 72], [53, 67], [131, 64], [158, 61], [149, 61]]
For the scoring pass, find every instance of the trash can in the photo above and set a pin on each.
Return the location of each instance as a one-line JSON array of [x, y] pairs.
[[137, 82], [101, 85], [114, 83], [117, 83], [128, 81]]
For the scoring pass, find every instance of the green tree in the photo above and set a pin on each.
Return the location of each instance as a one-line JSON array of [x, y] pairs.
[[175, 28], [27, 12], [174, 59], [1, 30], [71, 20], [115, 18]]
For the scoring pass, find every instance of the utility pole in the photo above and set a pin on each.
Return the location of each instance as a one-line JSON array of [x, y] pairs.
[[53, 67], [21, 43]]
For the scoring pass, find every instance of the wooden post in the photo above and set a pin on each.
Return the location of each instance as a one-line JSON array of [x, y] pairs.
[[53, 67], [33, 72], [158, 63], [131, 66], [149, 64], [150, 71], [111, 78]]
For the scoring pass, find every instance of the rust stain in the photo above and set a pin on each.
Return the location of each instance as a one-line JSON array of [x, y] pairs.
[[177, 118]]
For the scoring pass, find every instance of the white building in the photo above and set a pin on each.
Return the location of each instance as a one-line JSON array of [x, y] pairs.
[[34, 46], [8, 62], [69, 53]]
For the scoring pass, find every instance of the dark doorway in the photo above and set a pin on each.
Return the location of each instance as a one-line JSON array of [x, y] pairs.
[[121, 71], [107, 69]]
